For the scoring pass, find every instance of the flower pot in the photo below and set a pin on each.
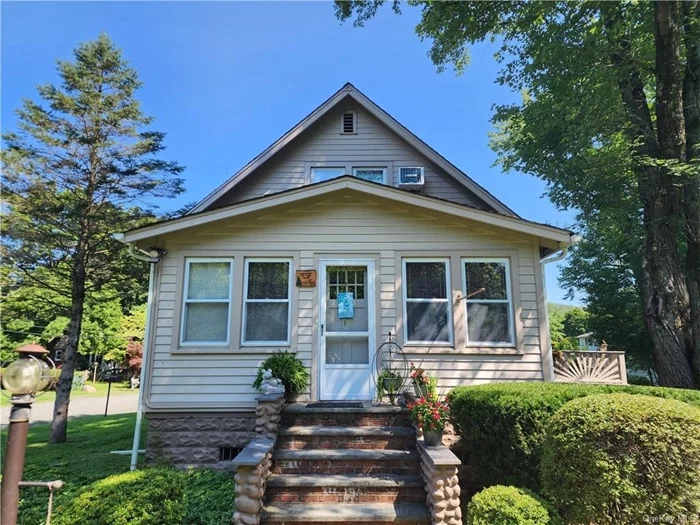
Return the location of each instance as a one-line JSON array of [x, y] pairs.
[[421, 390], [391, 384], [432, 438]]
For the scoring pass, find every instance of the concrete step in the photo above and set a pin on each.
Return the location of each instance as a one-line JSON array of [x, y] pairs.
[[344, 461], [376, 513], [373, 416], [317, 437], [376, 488]]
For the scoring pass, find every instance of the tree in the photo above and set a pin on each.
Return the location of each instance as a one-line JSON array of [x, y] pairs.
[[74, 171], [575, 322], [610, 118]]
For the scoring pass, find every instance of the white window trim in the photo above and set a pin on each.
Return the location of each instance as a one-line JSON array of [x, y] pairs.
[[508, 301], [336, 167], [383, 168], [186, 301], [288, 300], [448, 286]]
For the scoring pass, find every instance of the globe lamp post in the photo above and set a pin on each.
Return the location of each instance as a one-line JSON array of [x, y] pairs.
[[23, 379]]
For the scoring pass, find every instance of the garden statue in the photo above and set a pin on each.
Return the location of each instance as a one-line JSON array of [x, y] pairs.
[[271, 385]]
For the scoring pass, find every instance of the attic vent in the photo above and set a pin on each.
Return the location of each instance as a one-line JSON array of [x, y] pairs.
[[411, 177], [348, 123]]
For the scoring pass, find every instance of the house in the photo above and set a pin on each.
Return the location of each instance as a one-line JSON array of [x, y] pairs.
[[587, 342], [428, 255]]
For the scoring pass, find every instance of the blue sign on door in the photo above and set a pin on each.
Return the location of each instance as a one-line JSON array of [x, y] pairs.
[[346, 305]]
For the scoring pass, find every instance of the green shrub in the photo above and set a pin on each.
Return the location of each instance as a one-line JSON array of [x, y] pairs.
[[287, 367], [143, 497], [504, 424], [623, 460], [209, 497], [501, 505]]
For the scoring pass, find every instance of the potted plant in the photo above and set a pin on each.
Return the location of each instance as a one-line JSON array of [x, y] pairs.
[[286, 367], [388, 383], [431, 416], [424, 384]]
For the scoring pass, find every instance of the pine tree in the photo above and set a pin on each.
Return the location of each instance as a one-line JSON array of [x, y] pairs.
[[80, 168]]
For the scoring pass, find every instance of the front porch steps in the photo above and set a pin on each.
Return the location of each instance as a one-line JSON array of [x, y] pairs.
[[345, 465]]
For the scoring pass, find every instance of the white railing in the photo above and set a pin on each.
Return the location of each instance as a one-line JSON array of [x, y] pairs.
[[590, 367]]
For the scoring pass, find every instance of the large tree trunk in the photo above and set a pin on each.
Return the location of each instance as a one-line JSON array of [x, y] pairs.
[[59, 424], [691, 107], [665, 293]]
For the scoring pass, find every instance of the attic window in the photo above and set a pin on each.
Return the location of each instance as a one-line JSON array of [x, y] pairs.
[[348, 123]]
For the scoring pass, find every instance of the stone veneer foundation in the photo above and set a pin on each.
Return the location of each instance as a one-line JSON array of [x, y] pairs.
[[186, 439]]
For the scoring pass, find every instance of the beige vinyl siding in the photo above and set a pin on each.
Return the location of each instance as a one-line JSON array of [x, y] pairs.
[[374, 145], [335, 226]]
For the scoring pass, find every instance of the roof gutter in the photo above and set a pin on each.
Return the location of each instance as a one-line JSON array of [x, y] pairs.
[[153, 257], [563, 252]]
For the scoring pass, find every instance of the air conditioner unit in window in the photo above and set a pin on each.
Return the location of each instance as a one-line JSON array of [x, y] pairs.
[[411, 179]]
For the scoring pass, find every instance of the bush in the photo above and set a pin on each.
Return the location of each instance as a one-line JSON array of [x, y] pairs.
[[623, 459], [287, 367], [501, 505], [209, 497], [504, 424], [143, 497]]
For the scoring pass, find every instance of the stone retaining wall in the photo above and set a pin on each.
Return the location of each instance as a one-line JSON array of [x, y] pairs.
[[188, 439]]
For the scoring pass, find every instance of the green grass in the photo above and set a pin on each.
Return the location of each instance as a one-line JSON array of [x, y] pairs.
[[85, 458], [118, 389]]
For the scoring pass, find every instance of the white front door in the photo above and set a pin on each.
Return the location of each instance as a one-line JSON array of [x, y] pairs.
[[346, 329]]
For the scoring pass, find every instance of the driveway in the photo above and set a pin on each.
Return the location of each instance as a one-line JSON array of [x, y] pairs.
[[81, 406]]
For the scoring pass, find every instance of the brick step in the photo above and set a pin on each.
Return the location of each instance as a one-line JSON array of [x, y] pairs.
[[376, 513], [345, 461], [310, 437], [375, 488], [381, 416]]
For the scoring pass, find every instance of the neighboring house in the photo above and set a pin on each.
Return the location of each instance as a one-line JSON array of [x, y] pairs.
[[587, 342], [429, 256]]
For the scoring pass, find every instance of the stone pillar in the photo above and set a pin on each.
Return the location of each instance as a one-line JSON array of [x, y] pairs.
[[267, 414], [252, 470], [439, 470]]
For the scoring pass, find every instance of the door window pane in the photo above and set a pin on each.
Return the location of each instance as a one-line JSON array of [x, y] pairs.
[[347, 351]]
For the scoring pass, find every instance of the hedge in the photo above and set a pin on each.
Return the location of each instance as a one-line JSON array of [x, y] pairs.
[[501, 505], [503, 425], [144, 497], [623, 459]]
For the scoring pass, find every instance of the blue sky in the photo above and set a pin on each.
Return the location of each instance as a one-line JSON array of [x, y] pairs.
[[224, 80]]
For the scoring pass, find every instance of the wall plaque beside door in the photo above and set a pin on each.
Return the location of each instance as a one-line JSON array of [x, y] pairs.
[[306, 278]]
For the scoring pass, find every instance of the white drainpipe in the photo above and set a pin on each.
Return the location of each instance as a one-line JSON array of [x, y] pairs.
[[575, 239], [153, 257]]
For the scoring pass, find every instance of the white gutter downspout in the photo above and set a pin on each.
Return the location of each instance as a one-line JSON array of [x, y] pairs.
[[575, 239], [153, 257]]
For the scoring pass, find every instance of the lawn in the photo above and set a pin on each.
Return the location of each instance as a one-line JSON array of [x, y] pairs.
[[118, 389], [85, 458]]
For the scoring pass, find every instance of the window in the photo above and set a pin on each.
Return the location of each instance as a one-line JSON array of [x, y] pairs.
[[411, 176], [348, 123], [266, 309], [207, 301], [488, 301], [371, 174], [323, 174], [427, 304]]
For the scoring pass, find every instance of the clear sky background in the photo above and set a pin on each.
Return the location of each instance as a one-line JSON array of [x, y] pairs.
[[225, 80]]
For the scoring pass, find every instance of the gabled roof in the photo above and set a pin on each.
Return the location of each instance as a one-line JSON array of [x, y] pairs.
[[353, 184], [350, 91]]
